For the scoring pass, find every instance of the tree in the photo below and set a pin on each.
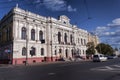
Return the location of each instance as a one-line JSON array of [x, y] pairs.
[[105, 49], [91, 48], [116, 49]]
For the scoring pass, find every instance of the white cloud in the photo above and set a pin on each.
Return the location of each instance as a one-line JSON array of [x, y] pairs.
[[58, 5], [100, 31], [102, 28], [55, 5], [110, 33], [70, 9], [115, 23]]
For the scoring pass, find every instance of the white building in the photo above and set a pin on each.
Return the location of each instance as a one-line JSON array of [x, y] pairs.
[[42, 38]]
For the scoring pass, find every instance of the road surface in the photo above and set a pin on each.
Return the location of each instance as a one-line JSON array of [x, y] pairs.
[[88, 70]]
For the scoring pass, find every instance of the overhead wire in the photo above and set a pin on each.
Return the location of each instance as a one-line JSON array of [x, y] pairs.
[[13, 1], [88, 13], [16, 2], [9, 2]]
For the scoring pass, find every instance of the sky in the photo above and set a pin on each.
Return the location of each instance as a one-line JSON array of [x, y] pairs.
[[101, 17]]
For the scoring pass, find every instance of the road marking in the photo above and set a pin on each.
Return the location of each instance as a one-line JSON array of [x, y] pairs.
[[111, 68], [117, 66], [7, 67], [101, 69], [64, 65], [51, 74]]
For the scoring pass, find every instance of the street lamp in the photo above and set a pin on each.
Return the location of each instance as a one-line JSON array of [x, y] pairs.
[[26, 59]]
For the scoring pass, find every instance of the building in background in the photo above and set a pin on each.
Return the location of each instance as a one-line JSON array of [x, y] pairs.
[[93, 38], [28, 37]]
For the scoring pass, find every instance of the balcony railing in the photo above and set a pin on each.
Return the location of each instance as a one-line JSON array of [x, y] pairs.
[[61, 42], [73, 44]]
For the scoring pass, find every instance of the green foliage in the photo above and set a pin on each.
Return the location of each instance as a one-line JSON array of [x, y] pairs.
[[104, 49], [116, 49], [91, 48]]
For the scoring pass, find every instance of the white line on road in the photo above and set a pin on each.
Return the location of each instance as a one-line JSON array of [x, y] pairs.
[[7, 67], [117, 66], [111, 68], [51, 74]]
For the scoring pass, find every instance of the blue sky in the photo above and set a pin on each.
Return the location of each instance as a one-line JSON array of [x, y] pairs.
[[99, 16]]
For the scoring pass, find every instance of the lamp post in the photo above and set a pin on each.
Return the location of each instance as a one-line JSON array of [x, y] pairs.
[[26, 59], [51, 42]]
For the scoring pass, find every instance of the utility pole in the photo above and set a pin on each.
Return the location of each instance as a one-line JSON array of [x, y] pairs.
[[51, 41], [51, 52], [26, 60]]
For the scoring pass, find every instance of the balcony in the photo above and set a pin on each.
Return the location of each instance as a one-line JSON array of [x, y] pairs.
[[73, 44], [61, 42], [68, 43]]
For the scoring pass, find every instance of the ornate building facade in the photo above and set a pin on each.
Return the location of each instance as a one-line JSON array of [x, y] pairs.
[[28, 37], [93, 38]]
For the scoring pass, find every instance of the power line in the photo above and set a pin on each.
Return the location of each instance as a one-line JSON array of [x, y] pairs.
[[8, 2], [18, 1], [86, 6]]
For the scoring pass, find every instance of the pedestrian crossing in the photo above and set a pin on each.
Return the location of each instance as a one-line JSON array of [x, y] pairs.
[[110, 68]]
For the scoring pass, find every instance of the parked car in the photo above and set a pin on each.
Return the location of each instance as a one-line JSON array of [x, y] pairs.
[[78, 58], [61, 59], [111, 56], [99, 58]]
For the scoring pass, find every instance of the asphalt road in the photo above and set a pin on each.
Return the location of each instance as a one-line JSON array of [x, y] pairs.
[[109, 70]]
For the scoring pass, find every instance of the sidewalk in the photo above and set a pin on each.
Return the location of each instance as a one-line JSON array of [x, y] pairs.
[[31, 64], [41, 63]]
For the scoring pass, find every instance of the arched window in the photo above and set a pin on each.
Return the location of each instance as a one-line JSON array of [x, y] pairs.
[[77, 51], [83, 52], [55, 52], [42, 51], [40, 35], [65, 38], [78, 40], [60, 50], [66, 53], [72, 52], [80, 51], [59, 37], [24, 51], [81, 41], [71, 38], [32, 34], [84, 42], [23, 33], [33, 51]]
